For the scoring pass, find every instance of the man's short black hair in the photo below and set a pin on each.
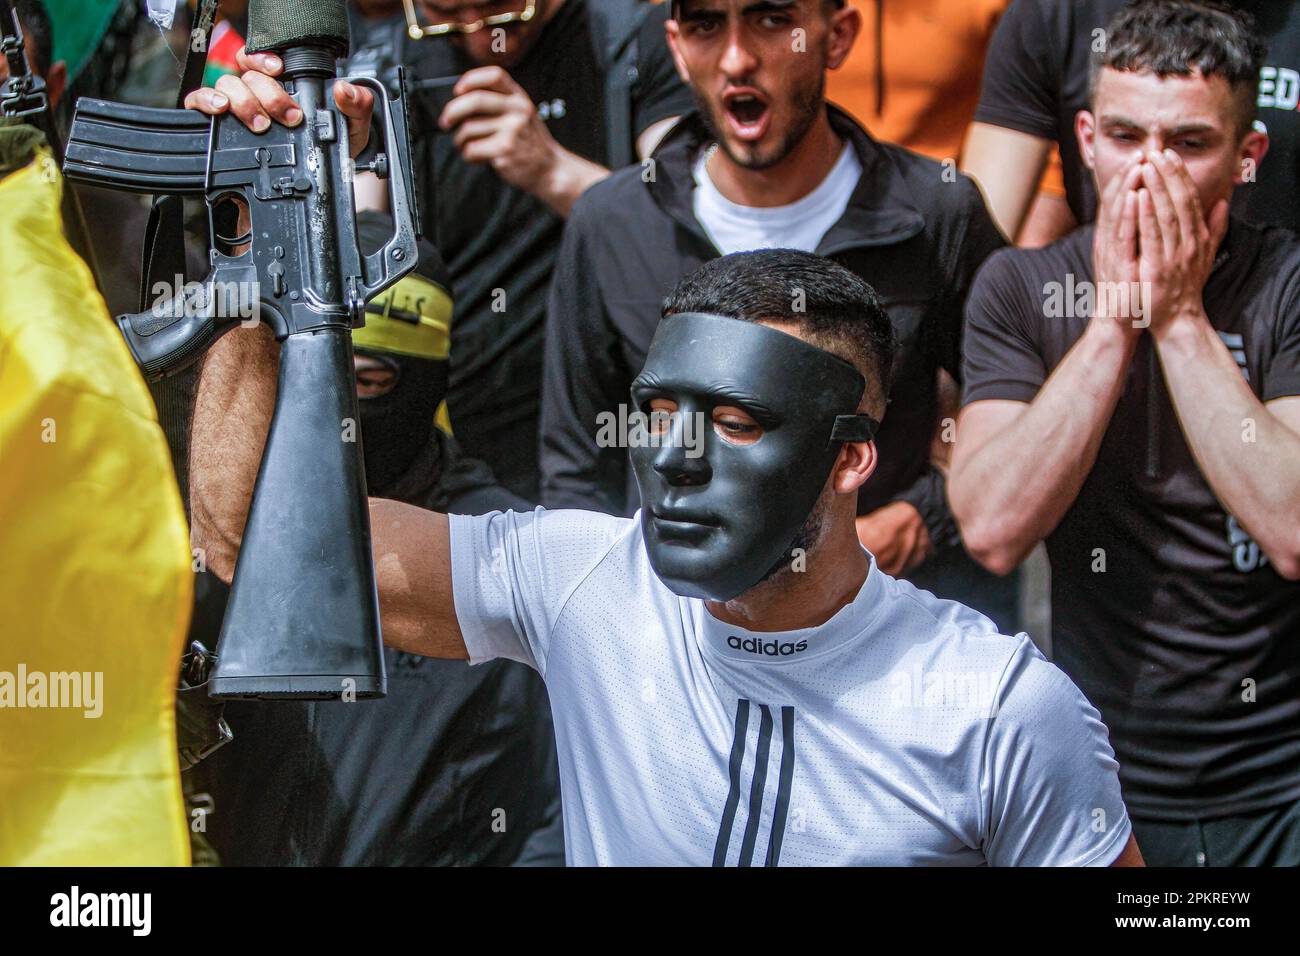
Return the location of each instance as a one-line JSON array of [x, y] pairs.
[[1186, 37], [35, 21], [831, 306]]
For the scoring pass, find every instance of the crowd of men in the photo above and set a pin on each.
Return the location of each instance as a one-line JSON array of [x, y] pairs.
[[1060, 260]]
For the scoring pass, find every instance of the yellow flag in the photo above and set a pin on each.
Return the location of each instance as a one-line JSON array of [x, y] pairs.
[[95, 579]]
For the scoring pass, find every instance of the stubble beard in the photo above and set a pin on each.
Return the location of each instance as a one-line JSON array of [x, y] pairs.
[[806, 541], [808, 102]]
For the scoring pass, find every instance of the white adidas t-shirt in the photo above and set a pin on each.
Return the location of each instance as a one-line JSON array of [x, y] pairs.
[[798, 225], [905, 730]]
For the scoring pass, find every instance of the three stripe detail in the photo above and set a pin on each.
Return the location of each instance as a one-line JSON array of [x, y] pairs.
[[758, 784]]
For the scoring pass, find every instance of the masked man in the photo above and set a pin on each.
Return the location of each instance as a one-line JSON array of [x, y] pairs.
[[733, 680], [435, 766]]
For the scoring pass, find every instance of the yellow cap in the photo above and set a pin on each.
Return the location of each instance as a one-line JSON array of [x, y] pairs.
[[412, 318]]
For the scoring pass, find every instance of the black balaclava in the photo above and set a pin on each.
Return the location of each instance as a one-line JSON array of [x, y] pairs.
[[408, 329], [397, 425], [717, 522]]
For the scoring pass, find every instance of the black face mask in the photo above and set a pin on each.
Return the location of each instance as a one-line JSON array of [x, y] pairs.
[[718, 523], [395, 426]]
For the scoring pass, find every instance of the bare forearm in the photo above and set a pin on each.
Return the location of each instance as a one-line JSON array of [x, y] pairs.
[[370, 192], [1009, 492], [570, 176], [1249, 457], [232, 414], [1049, 218]]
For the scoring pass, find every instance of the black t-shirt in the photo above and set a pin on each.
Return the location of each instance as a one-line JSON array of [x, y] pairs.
[[1036, 80], [1187, 607], [500, 242]]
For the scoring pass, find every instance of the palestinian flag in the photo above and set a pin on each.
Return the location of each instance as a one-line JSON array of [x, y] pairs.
[[225, 43]]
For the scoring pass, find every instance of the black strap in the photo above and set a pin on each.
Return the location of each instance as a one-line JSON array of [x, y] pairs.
[[164, 244], [196, 60], [616, 28], [164, 251], [164, 260], [854, 428], [201, 727], [24, 95]]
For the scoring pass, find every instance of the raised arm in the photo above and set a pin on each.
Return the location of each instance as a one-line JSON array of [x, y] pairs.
[[232, 416], [1248, 451], [412, 547], [493, 121], [1017, 468]]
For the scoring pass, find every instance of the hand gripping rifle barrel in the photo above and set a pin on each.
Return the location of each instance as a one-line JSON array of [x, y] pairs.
[[303, 616]]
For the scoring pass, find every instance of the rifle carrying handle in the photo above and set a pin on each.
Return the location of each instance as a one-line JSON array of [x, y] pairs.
[[396, 258]]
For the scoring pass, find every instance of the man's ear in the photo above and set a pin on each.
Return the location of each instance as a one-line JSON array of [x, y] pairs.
[[853, 467], [1251, 152], [1085, 131], [56, 82], [672, 30], [845, 25]]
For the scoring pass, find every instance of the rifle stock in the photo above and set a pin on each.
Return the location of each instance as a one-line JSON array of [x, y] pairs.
[[304, 583]]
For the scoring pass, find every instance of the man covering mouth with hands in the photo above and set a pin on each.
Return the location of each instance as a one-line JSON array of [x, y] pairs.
[[1147, 425]]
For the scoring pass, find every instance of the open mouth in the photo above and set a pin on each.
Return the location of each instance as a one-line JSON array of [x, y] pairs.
[[747, 113]]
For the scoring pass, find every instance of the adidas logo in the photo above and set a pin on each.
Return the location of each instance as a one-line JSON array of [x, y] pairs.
[[752, 645]]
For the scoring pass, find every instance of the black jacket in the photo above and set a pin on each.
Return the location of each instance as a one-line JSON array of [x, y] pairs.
[[914, 229]]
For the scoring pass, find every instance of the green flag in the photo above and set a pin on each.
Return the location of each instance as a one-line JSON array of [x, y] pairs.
[[79, 27]]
